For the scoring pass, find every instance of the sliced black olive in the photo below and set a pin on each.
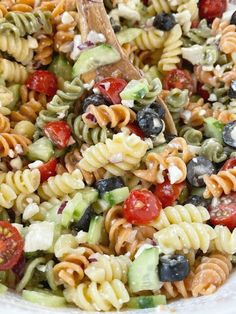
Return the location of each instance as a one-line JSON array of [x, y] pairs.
[[173, 268], [84, 221], [95, 100], [158, 109], [149, 122], [232, 89], [116, 27], [169, 137], [196, 168], [164, 21], [233, 18], [110, 184], [197, 200], [229, 134]]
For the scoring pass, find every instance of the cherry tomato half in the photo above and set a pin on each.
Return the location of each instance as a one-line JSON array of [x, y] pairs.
[[48, 170], [178, 79], [141, 207], [210, 9], [42, 81], [11, 245], [58, 132], [111, 88], [168, 193], [134, 128], [229, 164], [224, 211], [202, 92]]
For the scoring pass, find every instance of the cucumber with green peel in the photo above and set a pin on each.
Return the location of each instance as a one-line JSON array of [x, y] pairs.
[[135, 90], [116, 196], [61, 67], [146, 302], [100, 206], [90, 195], [42, 149], [214, 128], [96, 230], [143, 273], [128, 35], [43, 298], [75, 204], [15, 89], [91, 59], [3, 288]]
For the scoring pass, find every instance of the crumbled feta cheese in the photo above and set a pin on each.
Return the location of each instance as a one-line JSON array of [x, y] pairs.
[[156, 123], [11, 153], [32, 42], [61, 115], [95, 37], [66, 18], [96, 91], [149, 22], [16, 163], [42, 268], [202, 112], [174, 174], [193, 54], [82, 237], [19, 227], [212, 97], [35, 164], [34, 240], [215, 201], [89, 85], [233, 134], [186, 115], [106, 85], [116, 158], [30, 210], [76, 51], [128, 13], [128, 103], [207, 68], [18, 149]]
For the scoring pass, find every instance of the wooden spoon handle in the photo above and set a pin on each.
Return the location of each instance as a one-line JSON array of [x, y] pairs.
[[93, 16]]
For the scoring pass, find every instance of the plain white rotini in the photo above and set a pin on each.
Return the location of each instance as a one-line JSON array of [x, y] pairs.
[[25, 199], [96, 297], [172, 50], [7, 196], [26, 181], [60, 185], [12, 71], [150, 39], [159, 6], [185, 236], [107, 268], [176, 214], [225, 240], [190, 6]]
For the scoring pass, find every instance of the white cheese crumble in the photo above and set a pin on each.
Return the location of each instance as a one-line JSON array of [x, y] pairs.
[[82, 237], [96, 90], [207, 68], [95, 37], [35, 164], [19, 227], [186, 115], [212, 97], [128, 103], [34, 240], [175, 174], [66, 18], [193, 54], [11, 153], [89, 85], [18, 149], [61, 115], [30, 211], [32, 42], [76, 51], [16, 163], [233, 134]]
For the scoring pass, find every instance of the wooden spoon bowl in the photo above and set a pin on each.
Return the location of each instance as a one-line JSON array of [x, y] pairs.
[[93, 16]]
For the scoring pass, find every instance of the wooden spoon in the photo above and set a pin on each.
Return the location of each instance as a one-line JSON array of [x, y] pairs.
[[93, 16]]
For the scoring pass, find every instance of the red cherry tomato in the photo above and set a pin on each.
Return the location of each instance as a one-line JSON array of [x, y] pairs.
[[168, 193], [11, 245], [58, 132], [111, 88], [178, 79], [48, 170], [134, 128], [42, 81], [229, 164], [224, 211], [210, 9], [141, 207], [202, 92]]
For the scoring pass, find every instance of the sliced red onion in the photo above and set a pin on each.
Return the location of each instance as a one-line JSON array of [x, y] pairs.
[[62, 207], [92, 259], [19, 268], [86, 45], [91, 117]]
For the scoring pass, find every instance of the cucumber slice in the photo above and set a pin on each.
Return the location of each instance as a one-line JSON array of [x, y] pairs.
[[15, 89], [61, 67], [42, 149], [94, 58], [100, 206], [146, 302], [90, 195], [96, 229], [43, 298], [135, 90], [213, 128], [143, 274], [3, 288], [116, 196], [74, 204], [128, 35]]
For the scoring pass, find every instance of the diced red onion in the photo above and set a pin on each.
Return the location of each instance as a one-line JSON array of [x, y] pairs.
[[61, 208], [86, 45]]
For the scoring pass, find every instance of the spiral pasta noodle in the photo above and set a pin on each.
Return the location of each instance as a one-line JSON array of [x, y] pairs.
[[172, 50], [11, 144], [26, 181], [191, 135], [7, 196], [12, 71], [3, 10], [150, 40], [225, 241], [197, 35], [107, 268], [23, 6], [60, 185], [176, 99], [114, 116], [205, 77], [44, 51], [185, 236], [212, 272], [178, 213], [222, 182], [177, 288], [213, 150], [24, 200], [92, 296], [4, 124], [160, 6]]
